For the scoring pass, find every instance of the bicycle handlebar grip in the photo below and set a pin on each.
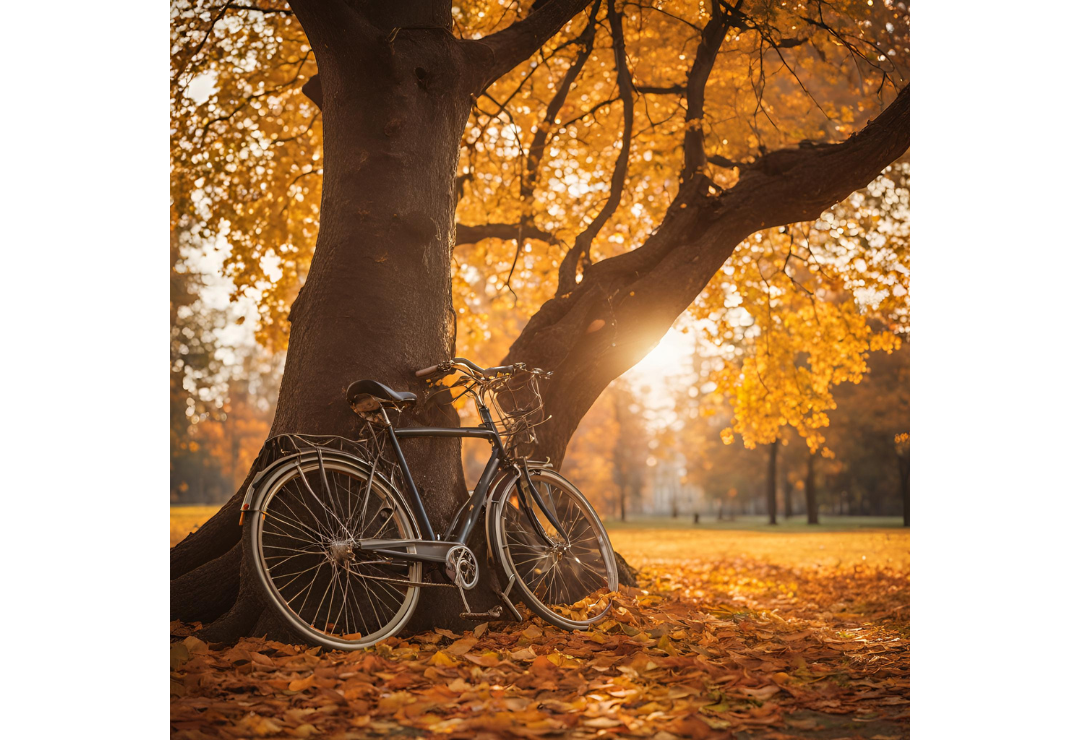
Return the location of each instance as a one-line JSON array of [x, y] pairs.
[[493, 371], [469, 364], [426, 371]]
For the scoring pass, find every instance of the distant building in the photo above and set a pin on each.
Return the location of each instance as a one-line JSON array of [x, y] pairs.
[[667, 493]]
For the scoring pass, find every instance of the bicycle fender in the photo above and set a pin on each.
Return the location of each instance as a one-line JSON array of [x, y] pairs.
[[284, 465]]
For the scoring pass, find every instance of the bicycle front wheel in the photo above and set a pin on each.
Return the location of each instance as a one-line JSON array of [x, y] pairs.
[[303, 533], [567, 582]]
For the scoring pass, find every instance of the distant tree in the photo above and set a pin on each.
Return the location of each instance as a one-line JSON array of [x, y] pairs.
[[770, 481], [863, 436], [811, 490], [903, 459], [789, 492], [194, 371], [631, 446]]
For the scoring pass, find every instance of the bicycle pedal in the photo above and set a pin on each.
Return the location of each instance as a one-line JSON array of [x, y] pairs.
[[495, 613]]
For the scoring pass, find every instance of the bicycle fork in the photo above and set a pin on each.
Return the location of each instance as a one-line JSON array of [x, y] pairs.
[[531, 515]]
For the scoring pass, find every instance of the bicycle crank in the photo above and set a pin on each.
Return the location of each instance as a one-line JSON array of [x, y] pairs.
[[464, 571], [461, 567]]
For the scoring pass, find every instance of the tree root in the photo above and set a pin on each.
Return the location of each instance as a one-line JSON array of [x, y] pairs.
[[242, 617], [627, 573], [204, 594]]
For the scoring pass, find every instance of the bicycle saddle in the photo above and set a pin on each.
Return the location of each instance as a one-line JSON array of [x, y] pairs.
[[380, 393]]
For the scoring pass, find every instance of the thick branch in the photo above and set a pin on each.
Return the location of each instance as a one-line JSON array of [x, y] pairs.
[[539, 141], [624, 305], [782, 187], [792, 185], [474, 234], [582, 245], [653, 90], [726, 163], [313, 89], [500, 52], [711, 39]]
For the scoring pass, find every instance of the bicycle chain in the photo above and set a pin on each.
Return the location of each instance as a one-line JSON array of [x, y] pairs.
[[399, 582]]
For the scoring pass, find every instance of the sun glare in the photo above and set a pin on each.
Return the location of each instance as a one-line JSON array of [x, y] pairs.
[[664, 370]]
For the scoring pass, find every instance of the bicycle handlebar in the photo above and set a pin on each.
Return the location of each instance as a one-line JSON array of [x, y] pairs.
[[488, 372]]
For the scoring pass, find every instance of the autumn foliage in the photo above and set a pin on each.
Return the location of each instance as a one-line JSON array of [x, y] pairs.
[[591, 133], [745, 635]]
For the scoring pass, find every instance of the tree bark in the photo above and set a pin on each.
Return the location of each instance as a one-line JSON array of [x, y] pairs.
[[770, 482], [811, 491], [789, 508]]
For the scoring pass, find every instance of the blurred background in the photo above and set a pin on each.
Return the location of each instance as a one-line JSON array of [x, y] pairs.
[[724, 421]]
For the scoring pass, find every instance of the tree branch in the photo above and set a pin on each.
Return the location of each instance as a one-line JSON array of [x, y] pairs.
[[726, 163], [639, 294], [580, 252], [313, 90], [500, 52], [539, 141], [711, 38], [472, 234], [653, 90]]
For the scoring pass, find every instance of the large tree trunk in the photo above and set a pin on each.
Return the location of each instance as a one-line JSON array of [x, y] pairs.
[[789, 504], [377, 300], [770, 482], [395, 89]]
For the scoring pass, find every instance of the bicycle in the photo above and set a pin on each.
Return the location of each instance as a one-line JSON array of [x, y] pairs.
[[341, 537]]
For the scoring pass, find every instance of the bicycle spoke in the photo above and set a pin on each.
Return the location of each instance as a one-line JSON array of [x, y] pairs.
[[295, 523], [306, 551], [311, 585], [297, 575], [286, 535], [300, 495], [319, 500], [287, 558], [359, 611], [568, 574]]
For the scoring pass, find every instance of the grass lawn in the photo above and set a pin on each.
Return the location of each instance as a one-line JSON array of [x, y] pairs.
[[827, 523], [183, 520], [873, 541]]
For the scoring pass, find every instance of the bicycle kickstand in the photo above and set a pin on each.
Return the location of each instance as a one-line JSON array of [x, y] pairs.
[[496, 610], [494, 613]]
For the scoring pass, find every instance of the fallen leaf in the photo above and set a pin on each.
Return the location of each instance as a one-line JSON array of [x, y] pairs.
[[462, 646], [761, 694]]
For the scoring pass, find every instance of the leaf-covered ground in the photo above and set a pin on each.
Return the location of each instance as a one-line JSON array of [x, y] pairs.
[[733, 634]]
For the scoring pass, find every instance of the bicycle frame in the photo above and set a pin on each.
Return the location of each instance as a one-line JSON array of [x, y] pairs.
[[432, 547]]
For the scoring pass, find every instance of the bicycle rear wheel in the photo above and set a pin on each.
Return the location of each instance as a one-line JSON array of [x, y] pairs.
[[305, 522], [567, 582]]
